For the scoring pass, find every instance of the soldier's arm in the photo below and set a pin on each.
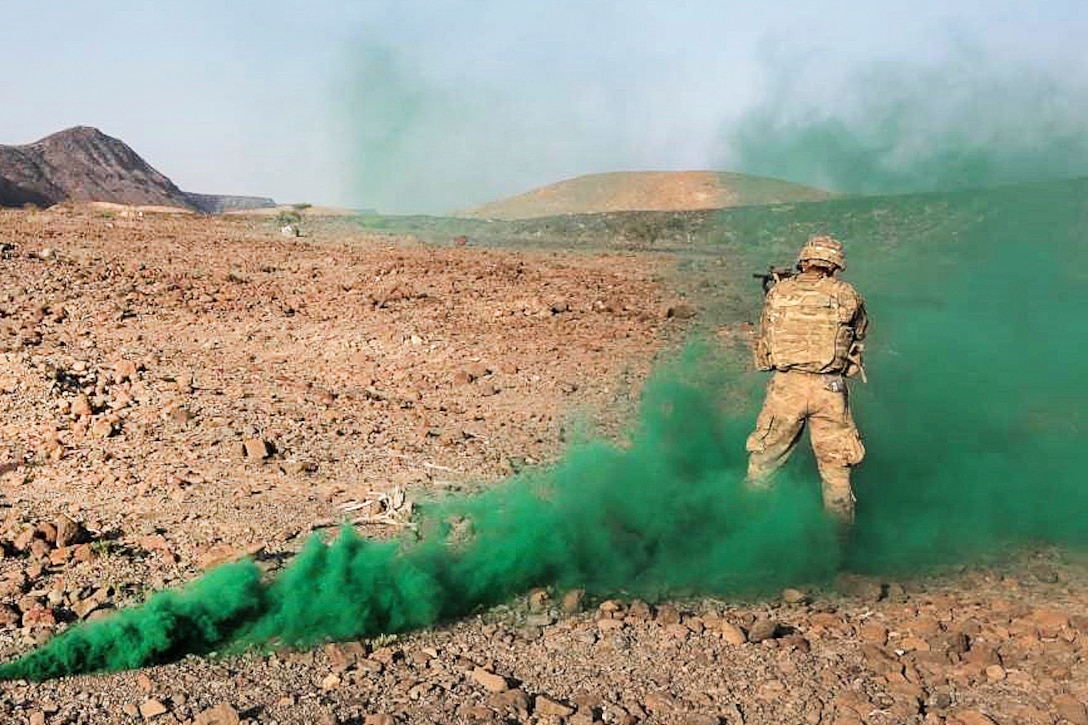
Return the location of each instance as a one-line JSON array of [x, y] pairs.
[[761, 351], [861, 321], [855, 365]]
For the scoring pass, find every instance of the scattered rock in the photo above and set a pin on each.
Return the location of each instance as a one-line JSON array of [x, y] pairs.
[[23, 540], [660, 702], [572, 601], [539, 619], [181, 415], [152, 708], [47, 532], [124, 370], [38, 616], [344, 655], [763, 629], [639, 611], [85, 607], [221, 714], [83, 553], [701, 719], [39, 549], [1070, 708], [973, 717], [880, 661], [379, 718], [476, 370], [538, 600], [489, 680], [103, 428], [1050, 622], [387, 656], [873, 633], [256, 449], [667, 614], [548, 707], [860, 587], [9, 616], [681, 311], [514, 700], [81, 407], [218, 555], [794, 596], [69, 532], [731, 633]]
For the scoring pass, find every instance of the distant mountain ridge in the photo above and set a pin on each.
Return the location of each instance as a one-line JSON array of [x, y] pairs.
[[83, 164], [223, 203], [646, 191]]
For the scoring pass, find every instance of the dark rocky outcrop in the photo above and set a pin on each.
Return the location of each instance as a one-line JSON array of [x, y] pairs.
[[220, 203], [83, 164]]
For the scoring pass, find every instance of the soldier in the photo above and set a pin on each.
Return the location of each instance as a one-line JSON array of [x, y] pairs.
[[810, 335]]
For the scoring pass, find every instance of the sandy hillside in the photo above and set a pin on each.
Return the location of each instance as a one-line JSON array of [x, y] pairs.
[[646, 191]]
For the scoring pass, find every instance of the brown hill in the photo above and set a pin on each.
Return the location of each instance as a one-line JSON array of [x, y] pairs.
[[646, 191], [82, 164]]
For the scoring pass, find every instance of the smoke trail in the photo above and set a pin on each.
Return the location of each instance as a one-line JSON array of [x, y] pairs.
[[974, 421], [966, 121], [196, 619], [665, 515]]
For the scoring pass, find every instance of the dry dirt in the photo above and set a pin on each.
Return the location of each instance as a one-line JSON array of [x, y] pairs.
[[177, 391]]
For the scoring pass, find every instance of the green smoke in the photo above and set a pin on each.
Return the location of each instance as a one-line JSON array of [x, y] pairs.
[[973, 418], [967, 121], [663, 515], [976, 412], [171, 624]]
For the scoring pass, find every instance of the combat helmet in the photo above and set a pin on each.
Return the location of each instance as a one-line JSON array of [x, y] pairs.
[[822, 248]]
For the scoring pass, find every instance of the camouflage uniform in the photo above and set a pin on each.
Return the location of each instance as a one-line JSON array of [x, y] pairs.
[[810, 336]]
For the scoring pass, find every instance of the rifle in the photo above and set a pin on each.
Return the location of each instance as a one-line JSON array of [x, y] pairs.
[[854, 365], [773, 276]]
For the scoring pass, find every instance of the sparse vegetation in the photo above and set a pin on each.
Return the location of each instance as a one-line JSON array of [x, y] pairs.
[[288, 216]]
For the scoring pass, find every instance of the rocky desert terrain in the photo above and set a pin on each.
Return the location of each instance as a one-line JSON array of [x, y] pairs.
[[179, 391]]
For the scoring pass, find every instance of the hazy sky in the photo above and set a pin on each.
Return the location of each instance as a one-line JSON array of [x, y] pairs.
[[428, 105]]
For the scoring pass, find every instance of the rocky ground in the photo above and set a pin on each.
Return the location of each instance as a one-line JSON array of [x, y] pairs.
[[179, 391]]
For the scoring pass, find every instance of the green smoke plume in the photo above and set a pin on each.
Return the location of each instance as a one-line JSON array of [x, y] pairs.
[[664, 515], [965, 121], [973, 419], [974, 427]]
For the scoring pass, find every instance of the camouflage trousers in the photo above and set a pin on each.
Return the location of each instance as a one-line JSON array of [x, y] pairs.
[[794, 398]]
